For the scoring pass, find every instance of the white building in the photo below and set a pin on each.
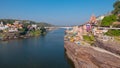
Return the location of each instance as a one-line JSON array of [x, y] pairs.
[[34, 26], [13, 30], [97, 31], [100, 18], [2, 26]]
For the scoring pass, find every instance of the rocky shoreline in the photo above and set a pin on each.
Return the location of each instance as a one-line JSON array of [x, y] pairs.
[[85, 56], [112, 46], [15, 35]]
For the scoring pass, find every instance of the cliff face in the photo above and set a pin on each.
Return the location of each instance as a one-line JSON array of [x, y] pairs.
[[91, 57], [111, 46]]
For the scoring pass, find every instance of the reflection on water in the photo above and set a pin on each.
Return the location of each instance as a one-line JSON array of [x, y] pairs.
[[36, 52], [70, 62]]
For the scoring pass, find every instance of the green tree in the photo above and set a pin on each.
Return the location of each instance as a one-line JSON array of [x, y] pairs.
[[108, 20], [43, 30], [116, 6]]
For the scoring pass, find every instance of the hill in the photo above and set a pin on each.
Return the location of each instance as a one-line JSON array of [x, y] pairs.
[[11, 21]]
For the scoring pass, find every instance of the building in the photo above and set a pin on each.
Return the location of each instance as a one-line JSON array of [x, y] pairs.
[[99, 18], [34, 26], [98, 31], [92, 20], [2, 26], [18, 24]]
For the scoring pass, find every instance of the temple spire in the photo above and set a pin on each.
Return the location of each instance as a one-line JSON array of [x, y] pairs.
[[1, 23]]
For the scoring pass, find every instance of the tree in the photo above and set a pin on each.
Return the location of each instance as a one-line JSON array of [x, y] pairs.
[[43, 30], [108, 20], [116, 6]]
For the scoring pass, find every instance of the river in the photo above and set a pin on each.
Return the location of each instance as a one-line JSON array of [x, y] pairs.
[[36, 52]]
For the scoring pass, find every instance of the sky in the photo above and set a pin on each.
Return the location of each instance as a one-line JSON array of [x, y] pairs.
[[57, 12]]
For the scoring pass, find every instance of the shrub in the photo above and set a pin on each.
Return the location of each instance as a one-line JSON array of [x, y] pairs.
[[88, 38], [108, 20], [113, 32], [35, 33]]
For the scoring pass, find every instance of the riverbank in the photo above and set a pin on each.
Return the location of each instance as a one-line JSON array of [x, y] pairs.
[[17, 35], [93, 46], [20, 35], [85, 56]]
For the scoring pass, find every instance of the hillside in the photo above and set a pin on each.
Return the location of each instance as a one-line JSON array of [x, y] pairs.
[[11, 21]]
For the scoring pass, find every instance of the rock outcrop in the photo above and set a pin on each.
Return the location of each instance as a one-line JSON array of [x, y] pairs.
[[111, 46], [91, 57]]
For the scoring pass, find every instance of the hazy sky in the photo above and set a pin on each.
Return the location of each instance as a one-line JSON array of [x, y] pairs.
[[58, 12]]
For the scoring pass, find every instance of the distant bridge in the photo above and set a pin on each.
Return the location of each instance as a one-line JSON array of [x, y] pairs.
[[66, 27], [59, 27]]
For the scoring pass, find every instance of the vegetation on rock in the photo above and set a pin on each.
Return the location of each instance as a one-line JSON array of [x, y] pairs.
[[35, 33], [108, 20], [89, 39], [113, 32]]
